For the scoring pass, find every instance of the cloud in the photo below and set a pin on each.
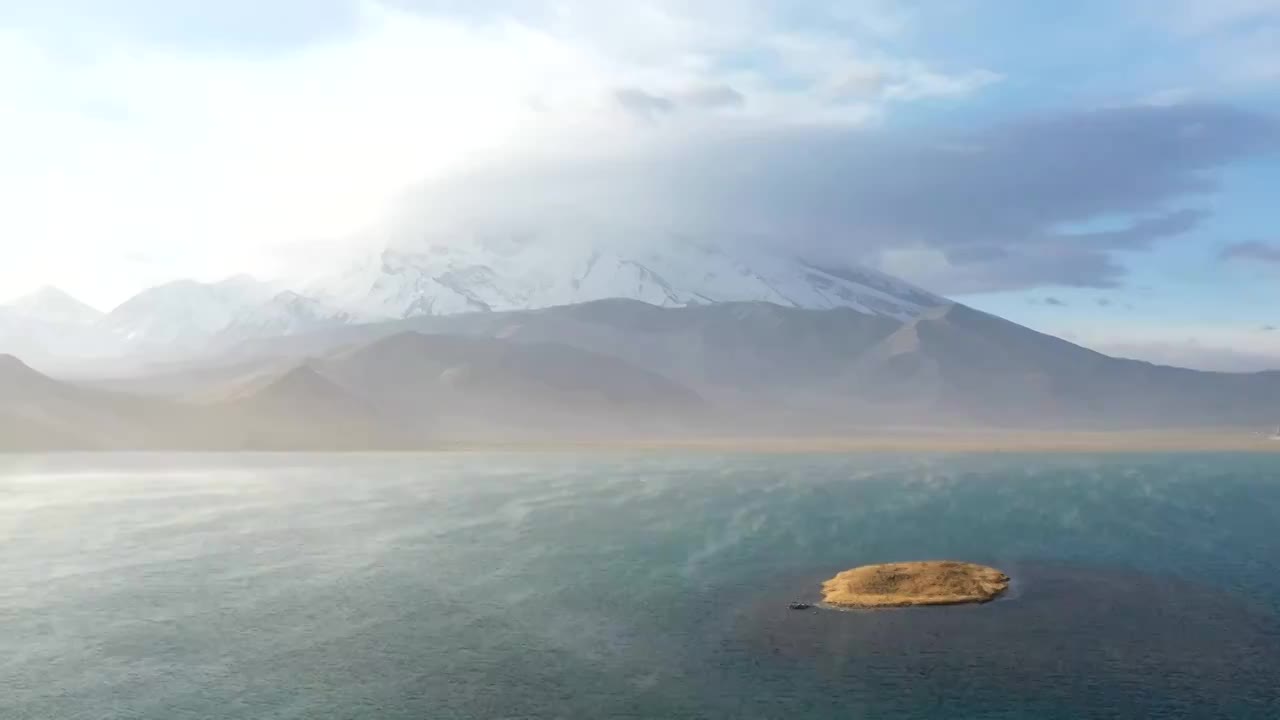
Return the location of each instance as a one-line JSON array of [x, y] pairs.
[[192, 25], [1256, 251], [987, 209], [1194, 17], [651, 106], [714, 96], [233, 136], [1217, 345], [642, 104], [224, 163], [918, 83], [1231, 42], [1142, 232], [221, 137], [1195, 355], [859, 83]]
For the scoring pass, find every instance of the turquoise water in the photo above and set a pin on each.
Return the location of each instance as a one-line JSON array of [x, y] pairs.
[[631, 586]]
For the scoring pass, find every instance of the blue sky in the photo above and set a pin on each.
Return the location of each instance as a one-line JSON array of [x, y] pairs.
[[1104, 171]]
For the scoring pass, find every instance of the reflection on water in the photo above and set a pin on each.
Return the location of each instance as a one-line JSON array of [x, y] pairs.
[[640, 586]]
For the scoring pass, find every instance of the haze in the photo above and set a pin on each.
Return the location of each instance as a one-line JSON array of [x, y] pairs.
[[674, 359], [190, 183]]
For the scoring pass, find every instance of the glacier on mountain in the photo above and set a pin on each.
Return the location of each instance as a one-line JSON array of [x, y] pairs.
[[471, 274], [495, 275], [183, 314]]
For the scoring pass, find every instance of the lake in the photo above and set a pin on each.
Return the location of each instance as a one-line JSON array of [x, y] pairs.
[[632, 585]]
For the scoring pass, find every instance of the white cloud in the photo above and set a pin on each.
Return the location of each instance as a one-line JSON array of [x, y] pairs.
[[1204, 347], [131, 162], [1230, 43], [219, 164], [1198, 17]]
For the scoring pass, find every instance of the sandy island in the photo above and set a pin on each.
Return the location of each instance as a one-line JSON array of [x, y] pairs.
[[934, 582]]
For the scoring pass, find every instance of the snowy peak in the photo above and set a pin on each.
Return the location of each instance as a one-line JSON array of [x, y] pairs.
[[51, 305], [49, 324], [478, 275], [286, 313], [868, 290], [185, 313]]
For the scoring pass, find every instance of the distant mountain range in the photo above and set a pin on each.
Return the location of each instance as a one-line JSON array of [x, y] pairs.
[[513, 274], [185, 317], [505, 340], [765, 367], [405, 390], [614, 369]]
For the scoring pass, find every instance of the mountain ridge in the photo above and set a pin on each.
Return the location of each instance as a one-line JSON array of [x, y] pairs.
[[403, 391], [187, 317], [511, 274], [52, 304], [625, 369], [755, 368]]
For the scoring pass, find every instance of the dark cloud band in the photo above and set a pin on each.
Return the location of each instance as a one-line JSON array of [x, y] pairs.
[[1003, 206]]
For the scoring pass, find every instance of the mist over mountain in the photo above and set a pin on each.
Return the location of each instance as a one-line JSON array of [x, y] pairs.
[[768, 368], [522, 271], [286, 313], [49, 324], [504, 339], [40, 413], [184, 314], [53, 306], [622, 369], [403, 391], [471, 273]]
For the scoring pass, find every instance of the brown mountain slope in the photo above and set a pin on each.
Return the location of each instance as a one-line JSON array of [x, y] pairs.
[[623, 367], [302, 409], [961, 365], [38, 412], [456, 386]]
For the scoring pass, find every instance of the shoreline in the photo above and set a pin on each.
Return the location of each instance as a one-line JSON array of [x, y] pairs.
[[916, 583], [905, 441], [1066, 442]]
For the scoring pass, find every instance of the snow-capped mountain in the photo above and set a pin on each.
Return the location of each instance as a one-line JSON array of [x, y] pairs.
[[286, 313], [443, 278], [50, 323], [184, 314], [494, 275], [51, 305]]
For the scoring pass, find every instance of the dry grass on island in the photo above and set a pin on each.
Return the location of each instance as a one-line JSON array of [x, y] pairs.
[[934, 582]]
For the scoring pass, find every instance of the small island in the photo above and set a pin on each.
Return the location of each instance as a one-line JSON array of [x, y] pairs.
[[905, 584]]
